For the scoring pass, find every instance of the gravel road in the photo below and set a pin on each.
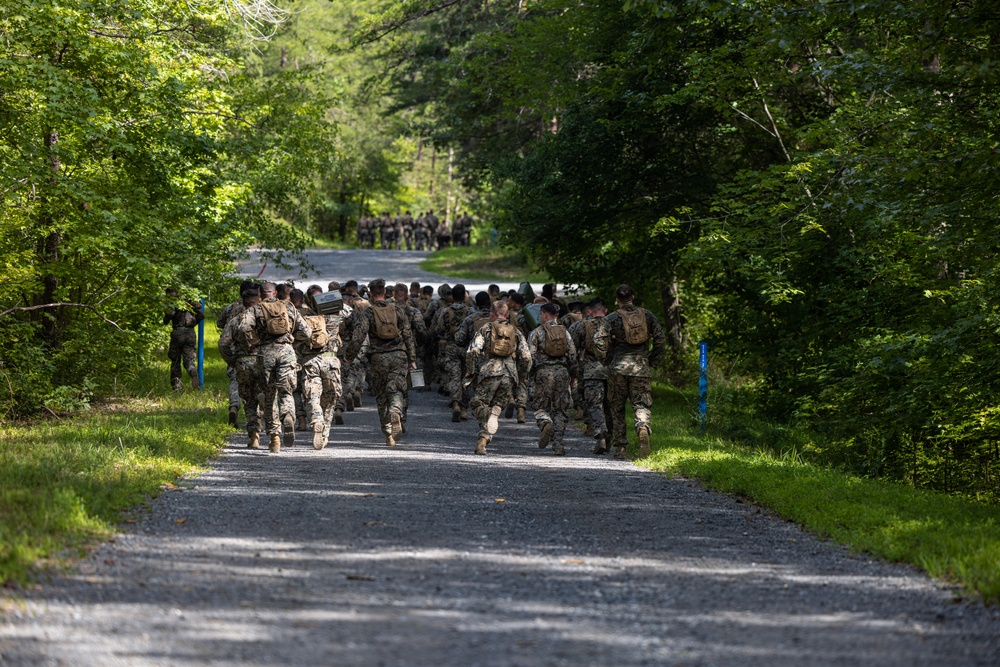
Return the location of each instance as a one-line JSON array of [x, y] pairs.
[[427, 555]]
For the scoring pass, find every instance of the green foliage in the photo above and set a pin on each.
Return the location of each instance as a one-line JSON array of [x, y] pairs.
[[483, 262], [954, 539], [65, 482]]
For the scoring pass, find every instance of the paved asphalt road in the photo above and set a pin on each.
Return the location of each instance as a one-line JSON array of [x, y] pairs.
[[427, 555]]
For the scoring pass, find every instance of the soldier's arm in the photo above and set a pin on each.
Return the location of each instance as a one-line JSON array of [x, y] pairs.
[[524, 364], [358, 333], [570, 347], [602, 338], [301, 331], [220, 321], [476, 348], [199, 311], [658, 337], [404, 327], [462, 333]]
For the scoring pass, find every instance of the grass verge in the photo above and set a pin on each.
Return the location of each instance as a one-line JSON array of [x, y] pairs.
[[953, 539], [66, 483], [482, 262]]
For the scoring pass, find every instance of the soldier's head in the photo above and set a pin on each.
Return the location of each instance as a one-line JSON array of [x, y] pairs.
[[314, 289], [482, 300], [576, 307], [268, 290], [550, 312], [549, 290], [334, 286], [247, 284], [377, 289], [284, 291], [427, 291], [399, 292], [445, 288], [458, 293], [515, 301], [351, 287], [297, 297], [624, 294], [251, 297], [415, 288], [498, 311], [597, 307], [494, 291]]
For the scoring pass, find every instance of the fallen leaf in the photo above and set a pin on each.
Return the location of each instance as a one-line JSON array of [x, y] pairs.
[[109, 561], [373, 523], [501, 500], [180, 521], [129, 520], [167, 486], [574, 561]]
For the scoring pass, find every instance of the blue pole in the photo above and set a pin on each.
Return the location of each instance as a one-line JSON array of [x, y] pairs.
[[201, 348], [703, 384]]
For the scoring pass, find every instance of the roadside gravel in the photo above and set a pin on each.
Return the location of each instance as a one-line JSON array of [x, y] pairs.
[[427, 555]]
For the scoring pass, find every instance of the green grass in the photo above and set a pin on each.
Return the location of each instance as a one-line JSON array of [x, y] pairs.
[[483, 262], [953, 539], [66, 483]]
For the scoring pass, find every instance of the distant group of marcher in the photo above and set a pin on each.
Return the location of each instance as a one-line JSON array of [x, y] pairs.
[[403, 231]]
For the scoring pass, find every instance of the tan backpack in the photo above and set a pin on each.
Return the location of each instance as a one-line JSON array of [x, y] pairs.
[[386, 321], [589, 329], [634, 323], [454, 319], [555, 340], [319, 338], [503, 339], [276, 317]]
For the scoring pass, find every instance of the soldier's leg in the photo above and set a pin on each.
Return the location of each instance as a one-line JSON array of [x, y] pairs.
[[617, 395], [245, 371], [640, 393], [455, 365], [301, 417], [285, 376], [267, 373], [174, 355], [189, 354], [562, 402], [312, 391], [395, 387], [490, 396], [594, 392], [234, 388], [544, 402], [331, 397], [380, 380]]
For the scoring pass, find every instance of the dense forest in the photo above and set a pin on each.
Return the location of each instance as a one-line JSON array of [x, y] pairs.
[[811, 185]]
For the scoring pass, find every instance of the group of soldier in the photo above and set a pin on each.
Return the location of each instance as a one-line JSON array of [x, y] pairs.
[[299, 360], [403, 231]]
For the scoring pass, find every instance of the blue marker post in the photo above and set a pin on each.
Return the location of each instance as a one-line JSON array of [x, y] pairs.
[[703, 384], [201, 348]]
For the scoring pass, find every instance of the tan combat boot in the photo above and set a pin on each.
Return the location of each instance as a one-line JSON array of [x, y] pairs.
[[620, 453], [509, 412], [546, 436], [389, 440], [463, 413], [559, 449], [493, 421], [254, 441], [275, 445], [300, 424], [338, 417], [349, 402], [396, 424], [520, 416], [456, 412], [480, 447], [357, 398], [234, 416], [643, 442], [319, 437]]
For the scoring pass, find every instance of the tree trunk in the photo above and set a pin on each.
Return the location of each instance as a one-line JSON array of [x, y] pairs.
[[342, 231], [48, 249], [673, 327]]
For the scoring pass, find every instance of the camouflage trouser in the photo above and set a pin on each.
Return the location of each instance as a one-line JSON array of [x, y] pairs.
[[358, 373], [490, 392], [637, 391], [245, 370], [278, 371], [454, 367], [321, 389], [345, 383], [594, 399], [234, 387], [389, 380], [552, 399], [298, 396], [183, 343], [521, 394]]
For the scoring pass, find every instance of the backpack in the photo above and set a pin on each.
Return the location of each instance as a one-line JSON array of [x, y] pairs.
[[453, 320], [589, 329], [555, 340], [276, 317], [478, 322], [634, 323], [386, 321], [503, 339], [320, 338]]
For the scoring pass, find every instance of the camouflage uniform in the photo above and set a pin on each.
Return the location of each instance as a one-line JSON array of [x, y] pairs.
[[321, 383], [241, 358], [418, 332], [232, 311], [183, 343], [446, 324], [276, 362], [591, 374], [629, 376], [495, 376], [389, 358], [552, 386]]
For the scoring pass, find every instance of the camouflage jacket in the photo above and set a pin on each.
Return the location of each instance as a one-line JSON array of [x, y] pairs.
[[465, 332], [335, 328], [232, 345], [588, 366], [185, 318], [622, 358], [536, 343], [445, 318], [364, 330], [480, 361], [254, 323], [229, 312]]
